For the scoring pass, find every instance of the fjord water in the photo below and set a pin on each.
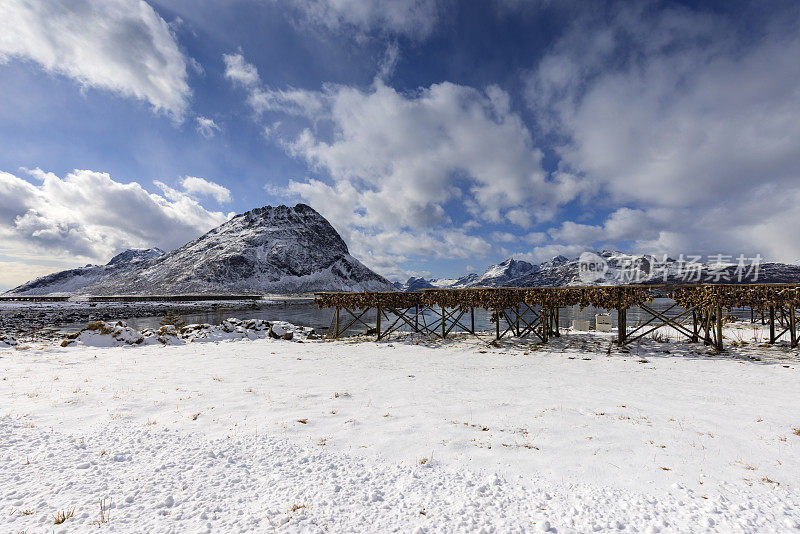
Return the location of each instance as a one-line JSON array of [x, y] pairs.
[[306, 313]]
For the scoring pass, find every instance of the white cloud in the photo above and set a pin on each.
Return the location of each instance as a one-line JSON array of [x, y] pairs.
[[87, 215], [389, 62], [411, 18], [393, 161], [503, 237], [407, 155], [122, 46], [193, 184], [240, 71], [667, 112], [206, 127]]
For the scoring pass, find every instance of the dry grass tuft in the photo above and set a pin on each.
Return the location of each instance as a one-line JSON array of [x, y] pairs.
[[296, 507], [796, 431], [660, 337], [770, 481], [104, 510], [195, 416], [62, 516], [425, 459], [303, 421]]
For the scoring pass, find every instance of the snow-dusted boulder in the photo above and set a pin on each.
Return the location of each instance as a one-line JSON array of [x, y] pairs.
[[7, 341], [103, 334], [168, 334]]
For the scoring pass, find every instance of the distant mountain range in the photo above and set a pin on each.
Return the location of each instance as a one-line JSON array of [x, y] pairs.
[[620, 268], [266, 250], [295, 250]]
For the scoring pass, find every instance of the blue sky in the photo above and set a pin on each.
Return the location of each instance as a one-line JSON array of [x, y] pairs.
[[437, 136]]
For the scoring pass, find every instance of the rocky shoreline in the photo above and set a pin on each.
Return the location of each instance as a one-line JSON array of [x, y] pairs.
[[39, 321]]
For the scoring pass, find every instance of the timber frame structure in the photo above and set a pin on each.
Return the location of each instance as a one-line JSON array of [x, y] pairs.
[[697, 313]]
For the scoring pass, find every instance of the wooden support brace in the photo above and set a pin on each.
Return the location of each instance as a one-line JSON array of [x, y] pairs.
[[772, 324]]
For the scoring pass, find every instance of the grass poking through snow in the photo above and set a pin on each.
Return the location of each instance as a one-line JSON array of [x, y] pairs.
[[62, 516]]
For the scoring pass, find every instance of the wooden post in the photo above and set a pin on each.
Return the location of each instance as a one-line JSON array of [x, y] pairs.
[[707, 326], [622, 326], [443, 325], [336, 332], [378, 323], [719, 328], [416, 318], [472, 318], [791, 325], [545, 324], [558, 330], [772, 324], [694, 326], [516, 323], [497, 325]]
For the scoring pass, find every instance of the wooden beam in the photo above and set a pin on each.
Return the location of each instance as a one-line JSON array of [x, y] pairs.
[[772, 324]]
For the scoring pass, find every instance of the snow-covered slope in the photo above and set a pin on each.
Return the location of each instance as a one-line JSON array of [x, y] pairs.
[[75, 280], [271, 249]]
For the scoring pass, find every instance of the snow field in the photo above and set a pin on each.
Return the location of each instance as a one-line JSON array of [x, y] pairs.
[[362, 436]]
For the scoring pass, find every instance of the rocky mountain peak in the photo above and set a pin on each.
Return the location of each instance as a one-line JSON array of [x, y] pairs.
[[135, 254], [278, 249]]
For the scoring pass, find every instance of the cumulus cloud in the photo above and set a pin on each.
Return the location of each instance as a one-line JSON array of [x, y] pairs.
[[667, 112], [206, 127], [393, 161], [193, 184], [122, 46], [89, 215], [415, 19]]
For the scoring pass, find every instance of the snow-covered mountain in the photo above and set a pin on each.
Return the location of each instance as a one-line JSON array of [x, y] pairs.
[[620, 268], [266, 250], [77, 280]]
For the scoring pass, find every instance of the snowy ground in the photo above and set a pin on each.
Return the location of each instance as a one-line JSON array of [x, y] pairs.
[[272, 435]]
